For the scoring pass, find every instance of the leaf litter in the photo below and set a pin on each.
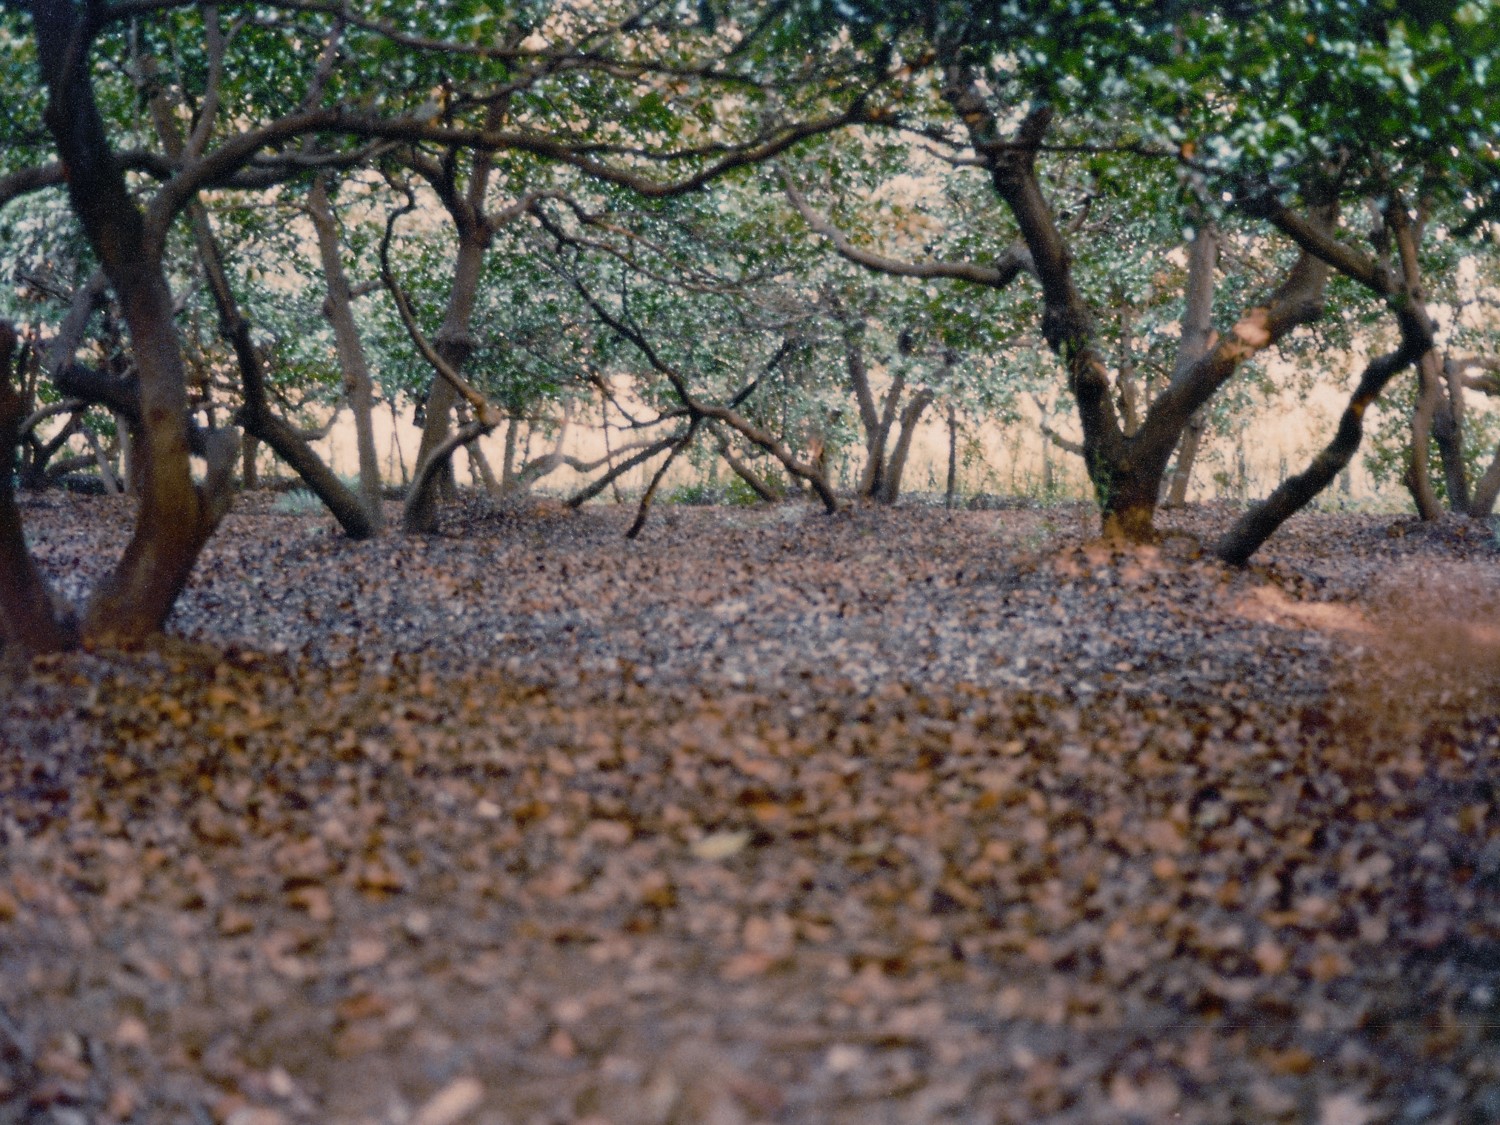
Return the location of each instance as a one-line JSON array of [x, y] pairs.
[[906, 816]]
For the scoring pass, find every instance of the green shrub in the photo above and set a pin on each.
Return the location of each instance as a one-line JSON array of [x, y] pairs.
[[297, 502]]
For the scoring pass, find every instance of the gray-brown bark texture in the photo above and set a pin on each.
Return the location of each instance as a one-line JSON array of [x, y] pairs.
[[176, 516]]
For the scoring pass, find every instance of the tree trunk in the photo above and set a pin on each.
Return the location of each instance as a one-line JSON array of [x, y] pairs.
[[1448, 432], [1187, 455], [757, 484], [175, 517], [30, 620], [950, 493], [1194, 341], [454, 343], [1126, 470], [1294, 493], [508, 467], [249, 472], [479, 468], [1486, 491], [357, 382], [869, 416], [1418, 474], [256, 415], [890, 488]]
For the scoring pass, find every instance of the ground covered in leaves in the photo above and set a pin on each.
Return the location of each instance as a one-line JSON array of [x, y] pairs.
[[895, 816]]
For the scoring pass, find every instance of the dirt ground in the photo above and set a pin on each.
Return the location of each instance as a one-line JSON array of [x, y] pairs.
[[893, 816]]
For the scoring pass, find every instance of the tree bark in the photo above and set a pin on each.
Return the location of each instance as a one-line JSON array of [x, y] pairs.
[[950, 493], [1448, 431], [1187, 457], [339, 309], [752, 479], [1294, 493], [453, 342], [1418, 474], [508, 466], [1195, 339], [256, 416], [1486, 491], [175, 517], [1125, 470], [249, 473], [479, 467], [30, 619], [870, 418], [890, 487], [588, 492]]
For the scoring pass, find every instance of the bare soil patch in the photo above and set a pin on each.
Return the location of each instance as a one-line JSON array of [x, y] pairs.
[[908, 816]]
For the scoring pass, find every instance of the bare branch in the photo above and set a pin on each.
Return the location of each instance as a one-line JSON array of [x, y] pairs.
[[488, 417], [584, 495], [213, 38], [1318, 240], [1015, 261], [650, 494]]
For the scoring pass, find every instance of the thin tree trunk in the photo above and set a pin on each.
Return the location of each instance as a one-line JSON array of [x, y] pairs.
[[1294, 493], [1418, 474], [650, 494], [1486, 491], [890, 490], [950, 494], [338, 307], [396, 451], [754, 480], [30, 620], [588, 492], [1448, 432], [453, 341], [870, 418], [255, 415], [1195, 340], [1187, 456], [249, 472], [112, 483], [872, 482], [508, 468], [130, 465]]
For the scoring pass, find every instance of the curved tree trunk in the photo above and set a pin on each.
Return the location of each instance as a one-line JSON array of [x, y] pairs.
[[175, 517], [256, 416], [1294, 493]]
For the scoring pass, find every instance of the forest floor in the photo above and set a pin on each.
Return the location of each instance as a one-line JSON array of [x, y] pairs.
[[895, 816]]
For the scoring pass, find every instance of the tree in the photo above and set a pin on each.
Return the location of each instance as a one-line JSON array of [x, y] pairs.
[[1209, 93], [602, 95]]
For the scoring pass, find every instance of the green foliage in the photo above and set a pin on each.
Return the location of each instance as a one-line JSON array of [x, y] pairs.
[[297, 502]]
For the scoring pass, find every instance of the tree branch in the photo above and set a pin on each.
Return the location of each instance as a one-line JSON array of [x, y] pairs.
[[1015, 261]]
